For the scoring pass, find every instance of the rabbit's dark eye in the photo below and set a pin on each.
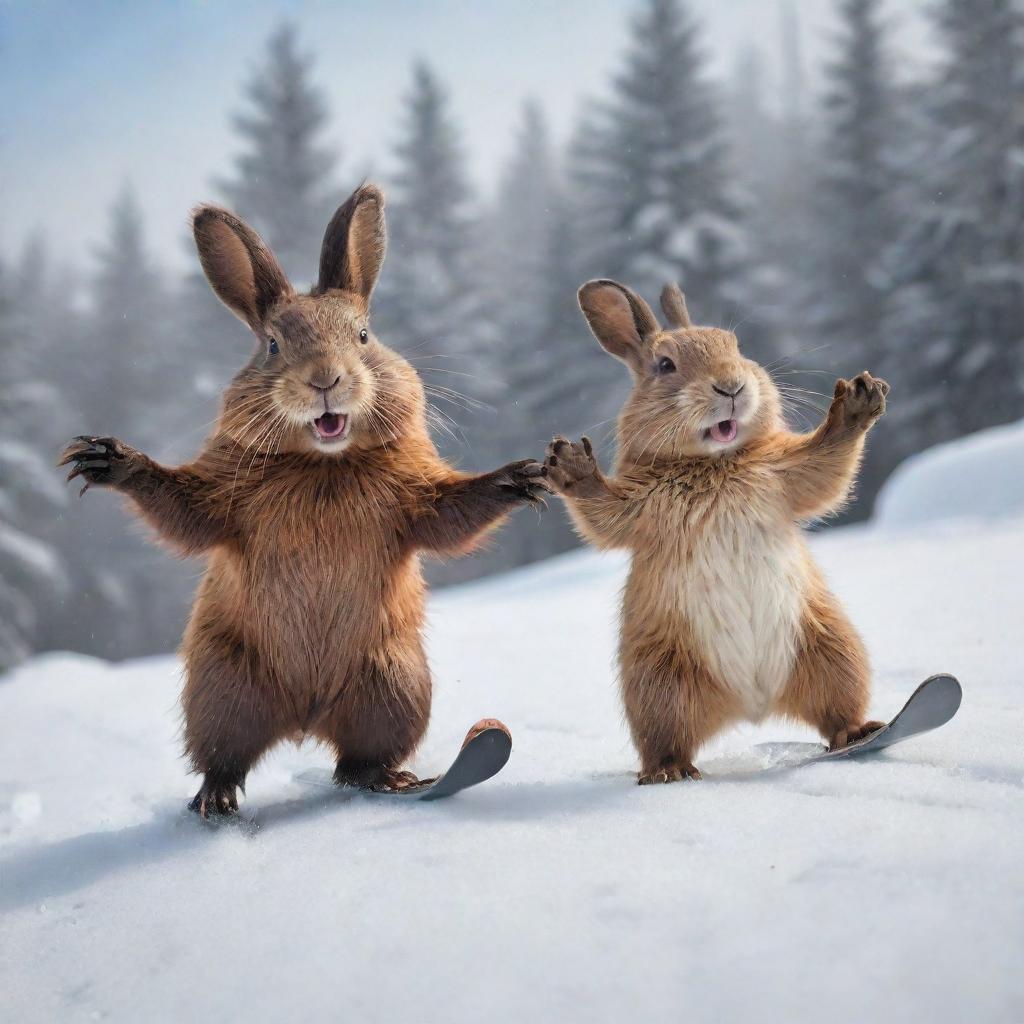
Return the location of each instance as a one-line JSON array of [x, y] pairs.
[[664, 365], [273, 347], [364, 336]]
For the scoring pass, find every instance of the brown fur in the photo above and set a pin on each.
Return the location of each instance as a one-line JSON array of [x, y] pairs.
[[308, 619], [713, 528]]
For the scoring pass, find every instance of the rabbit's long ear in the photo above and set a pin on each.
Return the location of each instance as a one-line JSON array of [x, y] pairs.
[[354, 244], [621, 321], [239, 266], [673, 305]]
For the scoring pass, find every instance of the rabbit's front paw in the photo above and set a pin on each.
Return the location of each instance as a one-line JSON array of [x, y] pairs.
[[859, 402], [570, 464], [100, 460], [526, 480]]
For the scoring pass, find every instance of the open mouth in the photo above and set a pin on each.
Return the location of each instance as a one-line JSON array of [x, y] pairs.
[[724, 431], [330, 426]]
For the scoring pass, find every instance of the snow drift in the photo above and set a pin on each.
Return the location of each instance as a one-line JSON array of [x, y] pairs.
[[980, 476]]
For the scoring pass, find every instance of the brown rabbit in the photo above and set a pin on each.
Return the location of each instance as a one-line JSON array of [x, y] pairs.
[[725, 616], [311, 499]]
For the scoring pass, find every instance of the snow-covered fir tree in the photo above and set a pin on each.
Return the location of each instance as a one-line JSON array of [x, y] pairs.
[[132, 364], [134, 382], [282, 177], [429, 301], [654, 171], [598, 384], [33, 576], [854, 202], [531, 298], [533, 282], [771, 143], [957, 319]]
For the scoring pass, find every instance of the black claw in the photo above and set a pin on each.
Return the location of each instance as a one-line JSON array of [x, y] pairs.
[[219, 801], [587, 447]]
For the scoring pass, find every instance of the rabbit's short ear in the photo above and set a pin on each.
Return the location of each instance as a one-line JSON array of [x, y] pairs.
[[240, 268], [673, 305], [354, 244], [621, 321]]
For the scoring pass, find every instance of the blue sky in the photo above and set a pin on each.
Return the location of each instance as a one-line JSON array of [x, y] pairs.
[[96, 93]]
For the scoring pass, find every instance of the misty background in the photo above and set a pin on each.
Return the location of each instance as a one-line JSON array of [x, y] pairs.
[[841, 182]]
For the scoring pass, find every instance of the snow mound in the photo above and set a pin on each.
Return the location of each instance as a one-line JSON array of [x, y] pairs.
[[980, 476], [887, 889]]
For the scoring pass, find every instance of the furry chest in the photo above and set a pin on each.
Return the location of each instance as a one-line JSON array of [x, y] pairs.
[[320, 566], [741, 594]]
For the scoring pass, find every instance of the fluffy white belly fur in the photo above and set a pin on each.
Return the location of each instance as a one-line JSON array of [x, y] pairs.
[[741, 593]]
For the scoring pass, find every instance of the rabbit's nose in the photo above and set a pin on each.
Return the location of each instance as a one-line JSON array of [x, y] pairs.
[[324, 380], [729, 390]]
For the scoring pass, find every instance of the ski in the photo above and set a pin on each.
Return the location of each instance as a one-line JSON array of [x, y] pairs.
[[485, 751], [930, 706]]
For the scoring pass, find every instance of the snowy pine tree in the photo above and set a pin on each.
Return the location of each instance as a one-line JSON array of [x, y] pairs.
[[771, 142], [531, 297], [957, 319], [32, 572], [429, 304], [653, 169], [281, 183], [854, 203], [533, 281], [131, 364], [133, 382]]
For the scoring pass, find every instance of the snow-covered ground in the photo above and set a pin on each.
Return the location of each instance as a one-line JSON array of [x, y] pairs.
[[882, 889]]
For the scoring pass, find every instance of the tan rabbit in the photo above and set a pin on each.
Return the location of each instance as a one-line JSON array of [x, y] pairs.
[[311, 501], [725, 615]]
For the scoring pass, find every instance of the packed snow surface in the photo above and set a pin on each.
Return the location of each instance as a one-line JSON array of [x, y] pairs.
[[980, 476], [889, 888]]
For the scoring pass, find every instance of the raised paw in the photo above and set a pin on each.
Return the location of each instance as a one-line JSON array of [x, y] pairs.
[[99, 460], [570, 463], [526, 480], [669, 770], [859, 402], [852, 733], [215, 797]]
